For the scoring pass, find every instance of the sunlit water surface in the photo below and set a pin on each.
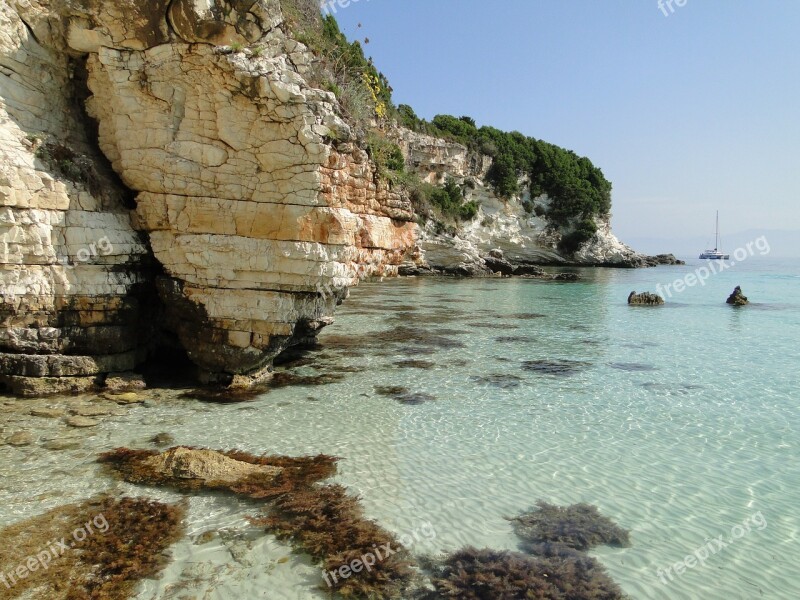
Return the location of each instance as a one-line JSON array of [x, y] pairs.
[[679, 422]]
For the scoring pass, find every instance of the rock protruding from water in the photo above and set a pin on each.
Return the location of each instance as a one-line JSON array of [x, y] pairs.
[[737, 298], [205, 465], [645, 299]]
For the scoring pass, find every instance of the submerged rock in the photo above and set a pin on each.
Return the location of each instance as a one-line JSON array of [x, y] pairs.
[[503, 381], [62, 444], [81, 422], [124, 398], [645, 299], [21, 438], [404, 395], [47, 413], [162, 439], [737, 298], [206, 465]]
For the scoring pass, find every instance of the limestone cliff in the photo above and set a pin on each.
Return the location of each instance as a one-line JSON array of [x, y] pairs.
[[250, 191], [171, 170], [516, 226]]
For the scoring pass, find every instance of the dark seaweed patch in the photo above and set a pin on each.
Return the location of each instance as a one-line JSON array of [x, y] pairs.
[[632, 367], [107, 564], [485, 325], [670, 388], [415, 364], [554, 367], [504, 381], [284, 379], [472, 574], [225, 395], [514, 339], [523, 316], [578, 527], [403, 395]]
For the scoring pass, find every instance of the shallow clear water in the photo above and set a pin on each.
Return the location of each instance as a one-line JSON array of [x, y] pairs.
[[679, 422]]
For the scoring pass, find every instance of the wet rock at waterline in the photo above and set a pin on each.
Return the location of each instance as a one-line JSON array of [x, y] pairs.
[[47, 413], [737, 298], [81, 422], [645, 299], [21, 438], [205, 465]]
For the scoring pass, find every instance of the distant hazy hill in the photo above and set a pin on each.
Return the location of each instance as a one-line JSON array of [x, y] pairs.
[[781, 243]]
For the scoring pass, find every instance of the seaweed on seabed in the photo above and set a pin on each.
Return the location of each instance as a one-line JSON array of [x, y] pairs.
[[297, 472], [472, 574], [579, 526], [323, 521], [329, 524], [124, 540]]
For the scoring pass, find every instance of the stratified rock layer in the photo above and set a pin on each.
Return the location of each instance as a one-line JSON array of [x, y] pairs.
[[71, 265], [517, 226], [258, 217]]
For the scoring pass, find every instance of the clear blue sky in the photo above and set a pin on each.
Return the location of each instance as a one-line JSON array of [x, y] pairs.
[[685, 114]]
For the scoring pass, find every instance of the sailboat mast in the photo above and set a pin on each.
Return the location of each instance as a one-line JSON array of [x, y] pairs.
[[716, 243]]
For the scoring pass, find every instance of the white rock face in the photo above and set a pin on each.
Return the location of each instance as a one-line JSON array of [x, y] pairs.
[[502, 224], [70, 261], [259, 220]]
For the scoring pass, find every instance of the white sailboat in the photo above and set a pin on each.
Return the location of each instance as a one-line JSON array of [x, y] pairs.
[[716, 253]]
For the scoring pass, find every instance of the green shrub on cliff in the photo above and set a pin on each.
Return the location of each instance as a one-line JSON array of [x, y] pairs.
[[572, 242], [576, 187], [442, 203], [343, 68], [386, 155]]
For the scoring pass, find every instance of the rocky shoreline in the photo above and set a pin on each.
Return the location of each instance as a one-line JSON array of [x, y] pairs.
[[178, 179], [496, 264]]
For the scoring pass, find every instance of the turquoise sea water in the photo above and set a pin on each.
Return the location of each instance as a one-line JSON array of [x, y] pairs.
[[680, 422]]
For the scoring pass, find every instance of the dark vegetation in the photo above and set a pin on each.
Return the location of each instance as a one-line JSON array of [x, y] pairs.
[[554, 568], [321, 520], [328, 524], [578, 190], [472, 574], [579, 527], [106, 565], [68, 164]]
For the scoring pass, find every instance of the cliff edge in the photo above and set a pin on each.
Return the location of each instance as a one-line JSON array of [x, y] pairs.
[[214, 176]]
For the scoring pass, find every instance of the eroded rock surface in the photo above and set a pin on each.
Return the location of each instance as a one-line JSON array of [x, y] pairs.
[[206, 465], [250, 191], [645, 299], [516, 226], [71, 264]]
